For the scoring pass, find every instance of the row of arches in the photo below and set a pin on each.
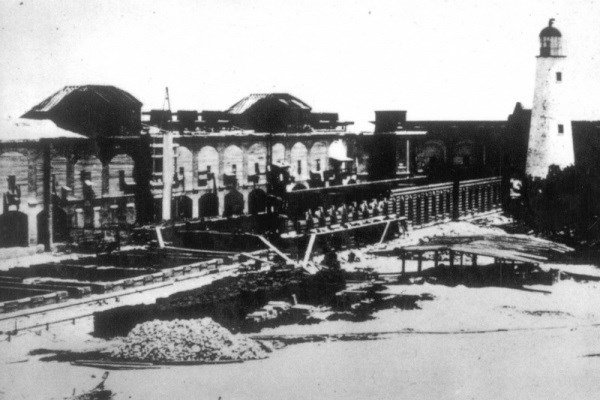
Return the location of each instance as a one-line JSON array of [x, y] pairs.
[[435, 154], [234, 162], [29, 174], [211, 206]]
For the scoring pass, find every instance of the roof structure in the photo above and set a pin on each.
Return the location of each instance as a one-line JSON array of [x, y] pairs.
[[109, 94], [550, 30], [249, 101], [22, 131]]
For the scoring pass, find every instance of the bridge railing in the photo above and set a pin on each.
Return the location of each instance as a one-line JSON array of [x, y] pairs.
[[448, 201]]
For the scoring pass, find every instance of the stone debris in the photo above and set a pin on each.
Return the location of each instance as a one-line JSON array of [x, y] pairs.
[[201, 340]]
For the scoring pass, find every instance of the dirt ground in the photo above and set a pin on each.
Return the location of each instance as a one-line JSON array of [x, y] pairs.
[[466, 343]]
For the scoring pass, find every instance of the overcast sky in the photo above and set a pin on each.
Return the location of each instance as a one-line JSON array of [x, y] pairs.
[[438, 59]]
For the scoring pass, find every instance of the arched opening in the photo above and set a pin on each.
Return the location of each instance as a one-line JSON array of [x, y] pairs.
[[464, 154], [14, 229], [431, 158], [88, 169], [120, 174], [183, 169], [14, 183], [60, 225], [233, 161], [183, 208], [257, 163], [234, 203], [208, 166], [209, 205], [318, 164], [58, 175], [278, 153], [299, 162], [257, 201], [299, 186]]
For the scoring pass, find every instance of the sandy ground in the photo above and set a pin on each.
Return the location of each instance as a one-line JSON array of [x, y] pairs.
[[467, 343]]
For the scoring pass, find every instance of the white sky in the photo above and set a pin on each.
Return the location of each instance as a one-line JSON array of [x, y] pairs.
[[468, 59]]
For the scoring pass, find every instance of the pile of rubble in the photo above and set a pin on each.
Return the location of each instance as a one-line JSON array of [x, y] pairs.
[[201, 340]]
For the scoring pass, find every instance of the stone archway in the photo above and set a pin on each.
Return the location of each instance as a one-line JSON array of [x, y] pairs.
[[184, 167], [91, 168], [209, 205], [464, 154], [14, 164], [14, 229], [208, 163], [233, 161], [233, 203], [60, 225], [257, 201], [299, 162], [120, 162], [431, 156], [257, 163], [278, 153]]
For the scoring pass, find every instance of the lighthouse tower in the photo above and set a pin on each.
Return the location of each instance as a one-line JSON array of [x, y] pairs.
[[550, 133]]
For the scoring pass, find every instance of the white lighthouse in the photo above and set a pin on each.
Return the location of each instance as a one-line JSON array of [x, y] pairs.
[[550, 133]]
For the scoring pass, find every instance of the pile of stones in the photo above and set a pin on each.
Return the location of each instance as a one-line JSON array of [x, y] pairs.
[[201, 340]]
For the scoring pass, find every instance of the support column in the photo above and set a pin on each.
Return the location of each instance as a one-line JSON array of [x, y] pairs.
[[33, 209], [167, 175], [403, 256], [195, 205], [130, 215], [408, 156], [195, 153], [79, 217], [97, 222], [48, 197]]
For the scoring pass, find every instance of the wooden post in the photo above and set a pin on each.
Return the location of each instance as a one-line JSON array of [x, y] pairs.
[[48, 197], [420, 262], [403, 256], [451, 257], [474, 259], [311, 243], [435, 258], [461, 259]]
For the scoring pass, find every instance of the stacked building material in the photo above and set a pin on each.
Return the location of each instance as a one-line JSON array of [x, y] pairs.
[[201, 340]]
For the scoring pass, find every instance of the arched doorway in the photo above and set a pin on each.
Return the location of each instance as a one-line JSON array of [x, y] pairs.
[[14, 229], [464, 154], [183, 207], [60, 225], [209, 205], [257, 201], [234, 203], [431, 157]]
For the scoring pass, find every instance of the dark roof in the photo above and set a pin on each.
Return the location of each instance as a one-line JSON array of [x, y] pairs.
[[109, 94], [550, 30], [247, 102]]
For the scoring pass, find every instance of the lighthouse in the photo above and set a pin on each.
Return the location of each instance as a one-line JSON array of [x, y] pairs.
[[550, 133]]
